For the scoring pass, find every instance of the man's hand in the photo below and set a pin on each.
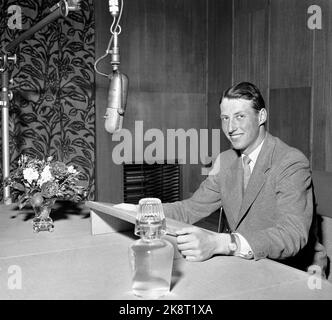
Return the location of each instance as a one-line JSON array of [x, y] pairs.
[[197, 244]]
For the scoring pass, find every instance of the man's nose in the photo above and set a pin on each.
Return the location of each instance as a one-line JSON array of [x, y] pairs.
[[231, 126]]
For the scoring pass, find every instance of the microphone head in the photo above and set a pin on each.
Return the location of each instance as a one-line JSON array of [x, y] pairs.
[[116, 102], [74, 5]]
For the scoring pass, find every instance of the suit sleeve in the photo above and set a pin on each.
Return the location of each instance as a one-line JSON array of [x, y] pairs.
[[293, 215], [203, 202]]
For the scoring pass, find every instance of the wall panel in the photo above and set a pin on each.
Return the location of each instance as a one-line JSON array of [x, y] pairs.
[[219, 61], [250, 6], [322, 91], [219, 45], [163, 52], [163, 45], [251, 31], [291, 44], [290, 116]]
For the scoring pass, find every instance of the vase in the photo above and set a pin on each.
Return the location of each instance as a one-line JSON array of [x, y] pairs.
[[42, 220]]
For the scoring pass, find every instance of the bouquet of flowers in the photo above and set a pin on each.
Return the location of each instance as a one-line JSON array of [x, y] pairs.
[[37, 181]]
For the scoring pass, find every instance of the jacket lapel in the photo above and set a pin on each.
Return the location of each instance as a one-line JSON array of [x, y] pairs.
[[234, 191], [258, 177]]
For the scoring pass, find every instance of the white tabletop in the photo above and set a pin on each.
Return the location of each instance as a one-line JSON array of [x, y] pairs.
[[71, 263]]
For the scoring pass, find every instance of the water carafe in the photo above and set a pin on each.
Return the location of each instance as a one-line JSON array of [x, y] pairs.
[[151, 257]]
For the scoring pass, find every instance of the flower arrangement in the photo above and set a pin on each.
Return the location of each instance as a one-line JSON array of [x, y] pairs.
[[37, 181]]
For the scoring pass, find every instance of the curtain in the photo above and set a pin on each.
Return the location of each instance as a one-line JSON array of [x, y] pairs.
[[53, 109]]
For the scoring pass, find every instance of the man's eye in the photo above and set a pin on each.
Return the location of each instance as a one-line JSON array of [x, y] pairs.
[[224, 118], [240, 116]]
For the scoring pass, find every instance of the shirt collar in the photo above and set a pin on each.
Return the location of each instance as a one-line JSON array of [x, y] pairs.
[[254, 154]]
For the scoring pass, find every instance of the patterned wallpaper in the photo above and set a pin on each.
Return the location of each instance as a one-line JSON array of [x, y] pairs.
[[53, 109]]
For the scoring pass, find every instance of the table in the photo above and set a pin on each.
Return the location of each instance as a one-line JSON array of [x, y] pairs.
[[71, 263]]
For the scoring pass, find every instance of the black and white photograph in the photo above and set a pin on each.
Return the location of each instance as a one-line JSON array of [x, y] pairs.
[[168, 155]]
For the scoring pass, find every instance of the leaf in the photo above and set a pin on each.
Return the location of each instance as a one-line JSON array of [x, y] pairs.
[[18, 186], [26, 85], [85, 75], [73, 112], [27, 118], [32, 153], [37, 64], [71, 32], [69, 88], [29, 4], [55, 36], [78, 62], [29, 133], [77, 125], [73, 132], [30, 51], [81, 143], [89, 37], [87, 154], [76, 16], [75, 46], [84, 163], [80, 82], [77, 96], [32, 71], [38, 146], [22, 201], [40, 127], [57, 144]]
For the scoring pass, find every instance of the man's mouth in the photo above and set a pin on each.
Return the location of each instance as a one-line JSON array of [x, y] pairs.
[[235, 136]]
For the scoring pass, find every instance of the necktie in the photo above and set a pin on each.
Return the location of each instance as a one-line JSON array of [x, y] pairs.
[[246, 171]]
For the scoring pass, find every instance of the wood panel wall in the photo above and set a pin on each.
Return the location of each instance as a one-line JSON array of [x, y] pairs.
[[181, 54], [163, 48], [219, 61], [322, 91], [274, 48]]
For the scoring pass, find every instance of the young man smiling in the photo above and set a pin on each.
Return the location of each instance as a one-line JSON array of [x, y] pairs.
[[262, 185]]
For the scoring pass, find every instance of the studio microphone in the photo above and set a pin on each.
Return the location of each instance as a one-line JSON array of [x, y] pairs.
[[116, 102], [117, 92], [118, 82]]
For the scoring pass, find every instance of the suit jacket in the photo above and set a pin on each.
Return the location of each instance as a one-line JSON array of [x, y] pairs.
[[276, 211]]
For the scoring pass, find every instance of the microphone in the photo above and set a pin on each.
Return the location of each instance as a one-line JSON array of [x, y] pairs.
[[117, 92], [66, 6], [74, 5], [118, 82], [116, 102]]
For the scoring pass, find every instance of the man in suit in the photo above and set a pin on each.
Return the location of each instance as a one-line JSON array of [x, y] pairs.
[[263, 187]]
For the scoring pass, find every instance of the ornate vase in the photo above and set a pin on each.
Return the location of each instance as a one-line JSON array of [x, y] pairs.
[[42, 220]]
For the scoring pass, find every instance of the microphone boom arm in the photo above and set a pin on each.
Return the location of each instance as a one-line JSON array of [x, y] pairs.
[[61, 9]]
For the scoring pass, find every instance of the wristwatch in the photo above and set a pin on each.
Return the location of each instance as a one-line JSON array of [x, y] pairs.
[[233, 246]]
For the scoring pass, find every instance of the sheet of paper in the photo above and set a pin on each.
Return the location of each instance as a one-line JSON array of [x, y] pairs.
[[126, 206]]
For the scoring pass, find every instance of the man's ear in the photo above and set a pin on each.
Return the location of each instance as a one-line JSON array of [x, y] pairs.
[[262, 117]]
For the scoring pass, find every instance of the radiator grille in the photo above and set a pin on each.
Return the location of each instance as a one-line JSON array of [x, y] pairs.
[[151, 180]]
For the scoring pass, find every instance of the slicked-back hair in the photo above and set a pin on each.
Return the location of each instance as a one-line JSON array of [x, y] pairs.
[[247, 91]]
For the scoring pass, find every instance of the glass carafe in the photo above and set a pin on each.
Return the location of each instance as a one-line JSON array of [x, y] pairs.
[[151, 257]]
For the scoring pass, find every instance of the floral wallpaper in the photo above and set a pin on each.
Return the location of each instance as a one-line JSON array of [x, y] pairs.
[[53, 109]]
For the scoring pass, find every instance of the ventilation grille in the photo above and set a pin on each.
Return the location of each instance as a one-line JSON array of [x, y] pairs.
[[157, 180]]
